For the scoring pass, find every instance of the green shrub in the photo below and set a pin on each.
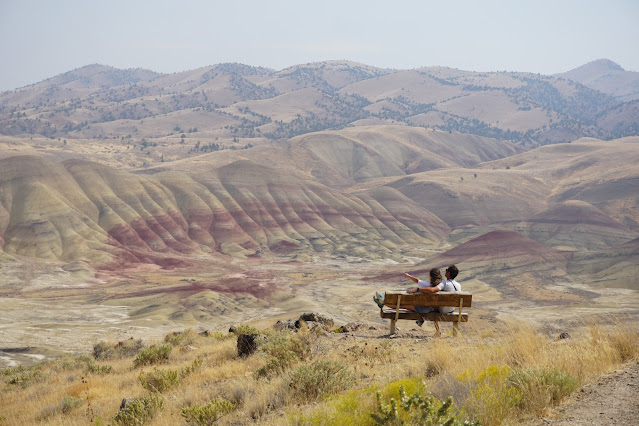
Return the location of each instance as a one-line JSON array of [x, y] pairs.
[[310, 382], [129, 348], [207, 414], [159, 380], [541, 388], [282, 349], [99, 369], [244, 329], [410, 386], [355, 407], [65, 406], [218, 335], [351, 408], [139, 411], [12, 370], [153, 355], [71, 362], [123, 349], [181, 338], [493, 398], [103, 351], [195, 366], [25, 377], [69, 404], [416, 409], [47, 413]]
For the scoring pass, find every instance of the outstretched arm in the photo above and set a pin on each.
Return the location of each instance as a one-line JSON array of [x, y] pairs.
[[407, 275], [423, 290]]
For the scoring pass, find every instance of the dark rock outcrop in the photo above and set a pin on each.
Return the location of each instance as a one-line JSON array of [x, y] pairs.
[[246, 344]]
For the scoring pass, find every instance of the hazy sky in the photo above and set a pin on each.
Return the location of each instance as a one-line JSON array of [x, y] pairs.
[[43, 38]]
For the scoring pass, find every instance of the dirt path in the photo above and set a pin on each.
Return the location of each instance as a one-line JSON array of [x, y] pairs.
[[612, 400]]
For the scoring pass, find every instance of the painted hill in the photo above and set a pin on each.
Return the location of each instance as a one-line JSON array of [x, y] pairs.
[[80, 210], [356, 193], [505, 252], [610, 268], [577, 225]]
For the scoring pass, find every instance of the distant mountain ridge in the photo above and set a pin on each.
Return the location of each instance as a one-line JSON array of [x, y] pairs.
[[102, 76], [607, 77], [234, 104]]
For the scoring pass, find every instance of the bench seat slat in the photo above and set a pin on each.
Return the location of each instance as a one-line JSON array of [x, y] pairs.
[[431, 316]]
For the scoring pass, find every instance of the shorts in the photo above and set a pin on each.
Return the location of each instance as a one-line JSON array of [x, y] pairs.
[[420, 309]]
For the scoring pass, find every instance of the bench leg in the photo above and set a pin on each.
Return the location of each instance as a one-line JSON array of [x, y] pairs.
[[437, 330], [456, 323], [393, 321]]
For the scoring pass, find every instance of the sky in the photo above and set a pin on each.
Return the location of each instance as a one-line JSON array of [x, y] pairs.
[[43, 38]]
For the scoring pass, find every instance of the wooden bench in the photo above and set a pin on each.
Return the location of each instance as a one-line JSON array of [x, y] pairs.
[[458, 299]]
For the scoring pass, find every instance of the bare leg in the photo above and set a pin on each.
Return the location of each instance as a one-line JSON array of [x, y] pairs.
[[437, 331]]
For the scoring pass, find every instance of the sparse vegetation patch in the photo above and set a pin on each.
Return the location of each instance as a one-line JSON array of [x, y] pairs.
[[156, 354], [321, 378], [139, 411], [326, 378], [207, 414], [160, 380], [282, 350]]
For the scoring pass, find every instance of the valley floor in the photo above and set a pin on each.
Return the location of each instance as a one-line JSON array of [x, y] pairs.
[[50, 313]]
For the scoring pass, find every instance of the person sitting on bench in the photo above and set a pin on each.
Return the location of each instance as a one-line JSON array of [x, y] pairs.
[[434, 286]]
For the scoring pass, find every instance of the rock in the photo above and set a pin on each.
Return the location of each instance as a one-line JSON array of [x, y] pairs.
[[284, 325], [325, 321], [307, 321], [317, 327], [564, 335], [300, 324], [246, 344], [125, 403], [350, 327]]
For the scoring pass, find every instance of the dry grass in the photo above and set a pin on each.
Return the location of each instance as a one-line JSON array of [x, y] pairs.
[[491, 379]]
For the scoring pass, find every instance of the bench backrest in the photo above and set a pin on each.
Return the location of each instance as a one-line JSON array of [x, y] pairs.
[[440, 298]]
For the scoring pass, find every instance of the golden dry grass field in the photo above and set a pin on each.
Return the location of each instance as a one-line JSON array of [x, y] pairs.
[[514, 374]]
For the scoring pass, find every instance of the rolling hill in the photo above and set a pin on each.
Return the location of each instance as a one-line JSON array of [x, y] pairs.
[[607, 77], [362, 192], [230, 106], [79, 210]]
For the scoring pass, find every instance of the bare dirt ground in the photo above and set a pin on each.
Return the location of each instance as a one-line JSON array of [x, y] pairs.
[[47, 310], [612, 400]]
